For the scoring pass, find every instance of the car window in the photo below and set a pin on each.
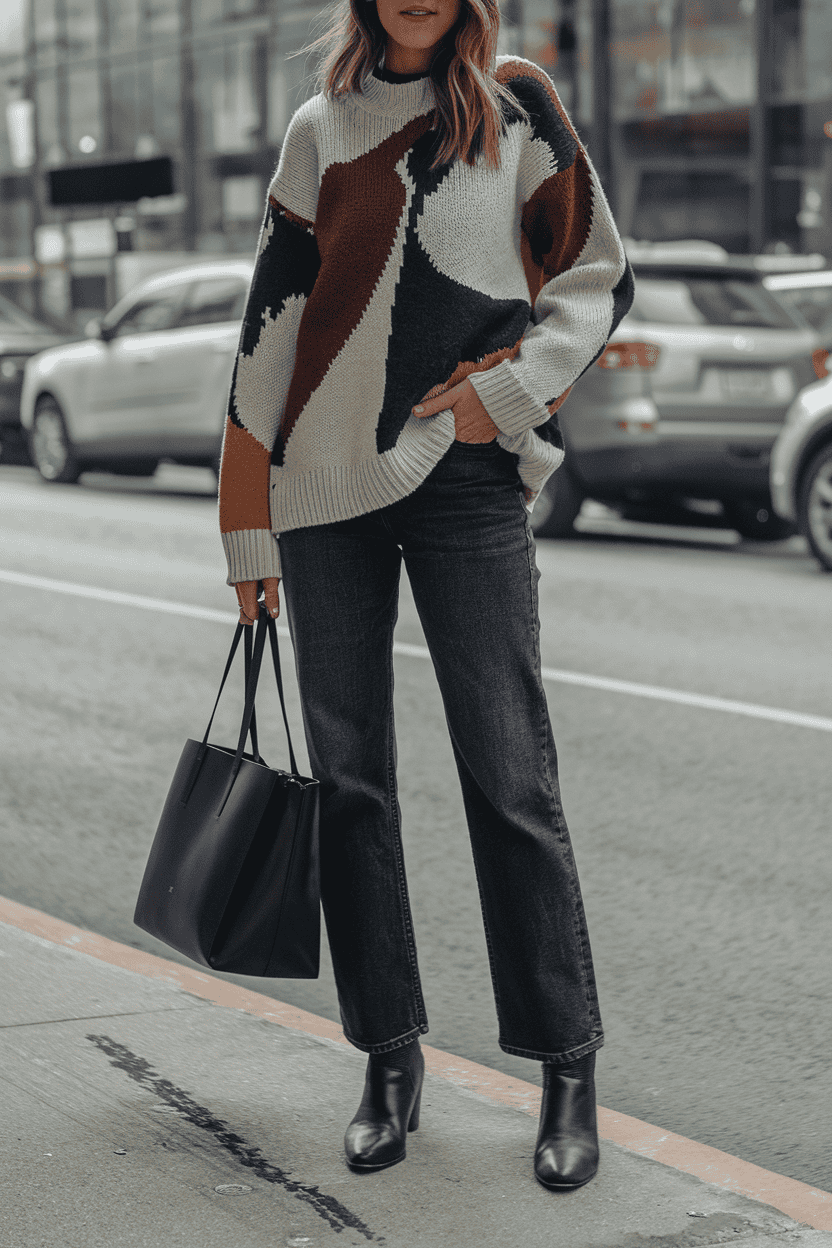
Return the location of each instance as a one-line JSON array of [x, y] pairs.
[[150, 312], [814, 303], [708, 300], [214, 300]]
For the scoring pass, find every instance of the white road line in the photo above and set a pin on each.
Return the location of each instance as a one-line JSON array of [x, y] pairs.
[[558, 676]]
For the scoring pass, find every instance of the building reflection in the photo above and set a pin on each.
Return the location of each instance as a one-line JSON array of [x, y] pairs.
[[707, 118]]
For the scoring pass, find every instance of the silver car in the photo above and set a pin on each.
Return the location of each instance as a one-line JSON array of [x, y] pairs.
[[687, 400], [150, 382], [801, 468]]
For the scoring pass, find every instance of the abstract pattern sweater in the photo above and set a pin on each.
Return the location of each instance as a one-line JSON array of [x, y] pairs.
[[380, 282]]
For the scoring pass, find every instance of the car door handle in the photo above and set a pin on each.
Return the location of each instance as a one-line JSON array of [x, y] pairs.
[[145, 359]]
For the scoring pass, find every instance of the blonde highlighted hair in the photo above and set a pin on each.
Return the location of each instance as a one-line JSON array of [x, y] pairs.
[[471, 106]]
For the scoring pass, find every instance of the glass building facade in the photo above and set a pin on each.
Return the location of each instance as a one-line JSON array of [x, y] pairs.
[[707, 119]]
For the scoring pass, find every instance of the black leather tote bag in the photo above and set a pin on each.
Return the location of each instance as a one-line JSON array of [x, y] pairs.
[[232, 880]]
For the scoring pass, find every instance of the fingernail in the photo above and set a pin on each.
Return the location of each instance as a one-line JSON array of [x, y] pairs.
[[418, 408]]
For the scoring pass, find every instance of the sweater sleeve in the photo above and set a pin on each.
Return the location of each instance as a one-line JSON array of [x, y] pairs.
[[285, 271], [580, 281]]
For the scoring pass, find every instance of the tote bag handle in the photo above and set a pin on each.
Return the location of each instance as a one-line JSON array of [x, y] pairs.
[[264, 624]]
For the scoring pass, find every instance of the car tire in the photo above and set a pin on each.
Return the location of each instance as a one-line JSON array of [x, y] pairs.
[[556, 509], [814, 506], [756, 520], [50, 446]]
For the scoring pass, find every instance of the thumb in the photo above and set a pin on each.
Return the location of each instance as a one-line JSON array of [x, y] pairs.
[[439, 403], [271, 585]]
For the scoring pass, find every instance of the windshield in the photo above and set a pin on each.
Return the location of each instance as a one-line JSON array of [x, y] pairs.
[[13, 317], [708, 300]]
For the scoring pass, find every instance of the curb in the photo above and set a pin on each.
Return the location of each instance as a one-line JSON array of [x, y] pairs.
[[807, 1205]]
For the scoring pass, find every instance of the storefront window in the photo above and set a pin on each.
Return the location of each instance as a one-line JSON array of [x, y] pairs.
[[123, 124], [123, 24], [166, 109], [230, 115], [206, 11], [672, 56], [46, 30], [84, 112], [81, 27], [46, 114], [162, 17], [817, 48]]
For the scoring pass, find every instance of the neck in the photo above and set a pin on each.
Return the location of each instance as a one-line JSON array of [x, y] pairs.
[[401, 60]]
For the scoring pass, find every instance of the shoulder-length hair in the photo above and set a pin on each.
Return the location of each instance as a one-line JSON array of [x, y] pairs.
[[471, 105]]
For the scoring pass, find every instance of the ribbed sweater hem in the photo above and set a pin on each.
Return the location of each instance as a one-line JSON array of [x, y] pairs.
[[301, 497]]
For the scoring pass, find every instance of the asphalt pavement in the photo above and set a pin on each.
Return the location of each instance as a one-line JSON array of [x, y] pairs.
[[701, 835]]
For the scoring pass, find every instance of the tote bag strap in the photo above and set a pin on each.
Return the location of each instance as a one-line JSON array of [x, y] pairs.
[[248, 710], [245, 631], [270, 624]]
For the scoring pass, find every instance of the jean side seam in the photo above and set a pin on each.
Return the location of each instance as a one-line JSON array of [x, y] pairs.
[[395, 828], [578, 917]]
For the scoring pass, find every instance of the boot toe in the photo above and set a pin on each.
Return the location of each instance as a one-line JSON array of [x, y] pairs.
[[565, 1163], [372, 1146]]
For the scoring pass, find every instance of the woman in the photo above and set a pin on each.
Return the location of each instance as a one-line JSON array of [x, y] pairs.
[[437, 267]]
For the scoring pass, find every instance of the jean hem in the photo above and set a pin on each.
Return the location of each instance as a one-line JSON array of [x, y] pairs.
[[555, 1059], [388, 1046]]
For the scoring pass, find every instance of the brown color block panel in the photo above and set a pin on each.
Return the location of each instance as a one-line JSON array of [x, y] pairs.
[[244, 482], [360, 205]]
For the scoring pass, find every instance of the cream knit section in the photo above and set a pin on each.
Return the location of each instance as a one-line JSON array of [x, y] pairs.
[[251, 554], [332, 492]]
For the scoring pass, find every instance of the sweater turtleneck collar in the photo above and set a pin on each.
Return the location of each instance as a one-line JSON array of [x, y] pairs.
[[396, 98]]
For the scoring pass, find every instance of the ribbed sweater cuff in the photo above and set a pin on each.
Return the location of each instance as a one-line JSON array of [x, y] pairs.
[[507, 400], [252, 554]]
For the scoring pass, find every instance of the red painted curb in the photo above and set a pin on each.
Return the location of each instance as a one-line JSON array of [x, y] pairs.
[[808, 1205]]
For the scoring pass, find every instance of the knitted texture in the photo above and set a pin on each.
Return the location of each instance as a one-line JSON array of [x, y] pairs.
[[380, 282]]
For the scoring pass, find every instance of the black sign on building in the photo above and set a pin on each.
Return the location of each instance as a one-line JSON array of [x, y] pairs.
[[121, 183]]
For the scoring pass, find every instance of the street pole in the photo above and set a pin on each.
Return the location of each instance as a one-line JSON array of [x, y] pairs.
[[189, 131], [759, 214], [602, 97]]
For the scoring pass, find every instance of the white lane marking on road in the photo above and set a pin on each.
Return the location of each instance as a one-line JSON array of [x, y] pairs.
[[556, 675]]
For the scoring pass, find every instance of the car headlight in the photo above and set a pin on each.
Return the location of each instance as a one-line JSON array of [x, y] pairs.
[[11, 367]]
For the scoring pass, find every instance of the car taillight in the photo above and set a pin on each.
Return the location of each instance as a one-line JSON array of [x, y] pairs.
[[820, 360], [629, 355]]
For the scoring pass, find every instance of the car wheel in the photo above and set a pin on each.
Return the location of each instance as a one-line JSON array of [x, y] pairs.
[[814, 508], [557, 507], [50, 447], [756, 519]]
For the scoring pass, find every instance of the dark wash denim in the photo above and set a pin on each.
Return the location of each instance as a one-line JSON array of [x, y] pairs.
[[469, 553]]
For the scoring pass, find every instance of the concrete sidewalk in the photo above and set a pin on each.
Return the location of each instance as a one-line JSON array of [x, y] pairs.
[[144, 1103]]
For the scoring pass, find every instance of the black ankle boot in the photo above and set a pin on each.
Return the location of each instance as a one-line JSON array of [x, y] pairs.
[[567, 1142], [389, 1109]]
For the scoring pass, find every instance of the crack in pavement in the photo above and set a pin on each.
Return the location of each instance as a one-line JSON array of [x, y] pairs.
[[139, 1069]]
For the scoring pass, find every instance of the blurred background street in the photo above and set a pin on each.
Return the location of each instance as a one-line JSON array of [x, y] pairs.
[[685, 543], [701, 836]]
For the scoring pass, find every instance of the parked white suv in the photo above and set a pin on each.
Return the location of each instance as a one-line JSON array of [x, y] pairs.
[[150, 382]]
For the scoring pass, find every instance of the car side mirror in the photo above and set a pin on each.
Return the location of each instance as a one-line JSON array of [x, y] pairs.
[[97, 329]]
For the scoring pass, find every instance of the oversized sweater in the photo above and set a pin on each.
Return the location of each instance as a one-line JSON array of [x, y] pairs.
[[381, 281]]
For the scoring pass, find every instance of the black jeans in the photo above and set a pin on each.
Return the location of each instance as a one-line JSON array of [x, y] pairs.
[[469, 552]]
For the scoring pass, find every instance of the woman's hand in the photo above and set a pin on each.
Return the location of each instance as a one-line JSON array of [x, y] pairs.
[[247, 592], [473, 424]]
